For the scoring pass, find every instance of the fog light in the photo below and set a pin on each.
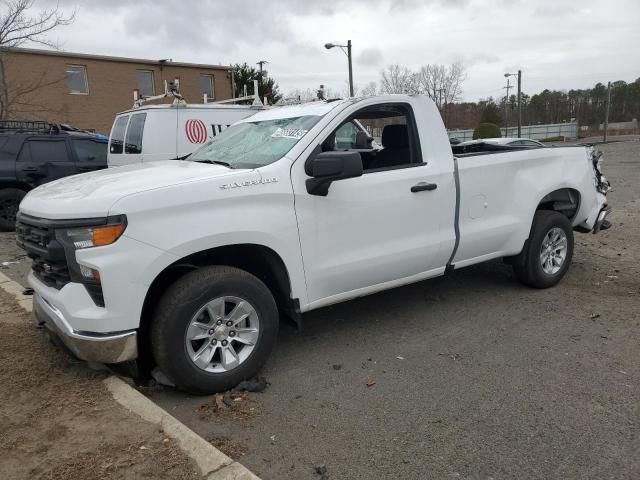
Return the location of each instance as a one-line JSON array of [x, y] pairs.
[[89, 273]]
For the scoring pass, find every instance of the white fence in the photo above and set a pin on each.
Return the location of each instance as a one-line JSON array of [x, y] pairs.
[[536, 132]]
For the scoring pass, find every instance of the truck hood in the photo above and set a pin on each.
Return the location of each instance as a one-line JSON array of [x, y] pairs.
[[92, 194]]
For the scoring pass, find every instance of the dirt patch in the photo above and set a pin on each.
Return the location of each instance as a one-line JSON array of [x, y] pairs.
[[58, 420], [231, 404], [229, 447]]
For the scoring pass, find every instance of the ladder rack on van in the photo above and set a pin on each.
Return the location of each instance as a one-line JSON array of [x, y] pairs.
[[170, 90], [255, 97]]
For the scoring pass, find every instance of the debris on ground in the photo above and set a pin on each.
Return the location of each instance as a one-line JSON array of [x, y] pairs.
[[371, 383], [337, 366], [594, 316], [322, 471], [160, 378], [400, 358], [452, 356], [27, 291], [229, 447], [258, 385], [231, 403]]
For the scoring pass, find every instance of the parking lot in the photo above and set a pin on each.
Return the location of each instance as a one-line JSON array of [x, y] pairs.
[[467, 376]]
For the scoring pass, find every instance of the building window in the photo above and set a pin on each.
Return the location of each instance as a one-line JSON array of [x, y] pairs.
[[77, 79], [145, 83], [206, 85]]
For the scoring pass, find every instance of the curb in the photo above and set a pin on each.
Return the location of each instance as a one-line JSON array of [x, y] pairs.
[[213, 464]]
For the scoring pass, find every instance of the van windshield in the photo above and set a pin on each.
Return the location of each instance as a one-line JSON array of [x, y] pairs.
[[255, 144]]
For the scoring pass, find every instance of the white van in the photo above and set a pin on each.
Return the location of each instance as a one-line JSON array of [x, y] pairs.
[[165, 132]]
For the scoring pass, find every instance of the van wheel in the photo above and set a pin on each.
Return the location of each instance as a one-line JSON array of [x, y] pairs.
[[10, 199], [547, 254], [213, 328]]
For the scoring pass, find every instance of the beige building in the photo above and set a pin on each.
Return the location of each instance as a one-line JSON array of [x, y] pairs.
[[86, 91]]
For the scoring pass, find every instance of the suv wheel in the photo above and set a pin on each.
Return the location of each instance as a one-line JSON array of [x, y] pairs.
[[547, 254], [10, 199], [214, 328]]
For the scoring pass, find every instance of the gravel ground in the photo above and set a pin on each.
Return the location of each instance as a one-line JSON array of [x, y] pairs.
[[57, 420], [467, 376]]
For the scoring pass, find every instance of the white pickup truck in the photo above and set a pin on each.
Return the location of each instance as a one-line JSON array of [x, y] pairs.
[[185, 267]]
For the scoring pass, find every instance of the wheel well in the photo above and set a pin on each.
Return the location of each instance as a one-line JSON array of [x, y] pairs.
[[564, 200], [258, 260]]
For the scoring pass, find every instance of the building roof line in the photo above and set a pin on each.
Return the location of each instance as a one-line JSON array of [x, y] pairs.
[[109, 58]]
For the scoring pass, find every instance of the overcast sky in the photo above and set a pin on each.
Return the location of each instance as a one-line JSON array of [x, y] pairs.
[[558, 44]]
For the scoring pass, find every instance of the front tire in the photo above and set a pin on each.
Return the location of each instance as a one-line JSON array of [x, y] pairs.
[[213, 328], [547, 254]]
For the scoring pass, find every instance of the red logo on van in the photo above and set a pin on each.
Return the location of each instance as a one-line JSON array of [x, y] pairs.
[[196, 131]]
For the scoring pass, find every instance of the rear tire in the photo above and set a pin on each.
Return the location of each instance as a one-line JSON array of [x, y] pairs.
[[10, 199], [213, 328], [547, 253]]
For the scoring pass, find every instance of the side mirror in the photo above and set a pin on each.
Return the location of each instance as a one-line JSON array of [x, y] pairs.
[[327, 167]]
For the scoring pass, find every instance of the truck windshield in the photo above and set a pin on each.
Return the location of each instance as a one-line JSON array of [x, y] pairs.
[[255, 144]]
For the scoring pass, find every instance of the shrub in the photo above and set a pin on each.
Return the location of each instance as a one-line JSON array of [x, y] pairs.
[[487, 130]]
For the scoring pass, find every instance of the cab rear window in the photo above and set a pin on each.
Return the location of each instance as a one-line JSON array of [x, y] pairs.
[[117, 135]]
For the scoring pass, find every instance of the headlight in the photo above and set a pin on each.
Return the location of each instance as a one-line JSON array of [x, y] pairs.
[[87, 237], [78, 238]]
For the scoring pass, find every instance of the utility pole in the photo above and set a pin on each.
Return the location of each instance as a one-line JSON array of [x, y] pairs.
[[519, 103], [233, 81], [606, 112], [350, 68], [261, 63], [519, 75], [506, 105], [439, 100]]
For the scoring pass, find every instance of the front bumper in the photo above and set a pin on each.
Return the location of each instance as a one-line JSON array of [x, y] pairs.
[[105, 348]]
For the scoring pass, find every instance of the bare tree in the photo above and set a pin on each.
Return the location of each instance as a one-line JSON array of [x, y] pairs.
[[443, 84], [370, 88], [18, 27], [398, 79]]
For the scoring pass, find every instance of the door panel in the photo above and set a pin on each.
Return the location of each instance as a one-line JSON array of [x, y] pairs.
[[370, 230], [43, 160]]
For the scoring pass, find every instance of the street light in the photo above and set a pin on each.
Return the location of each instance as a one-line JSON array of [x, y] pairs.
[[519, 75], [261, 63], [329, 46]]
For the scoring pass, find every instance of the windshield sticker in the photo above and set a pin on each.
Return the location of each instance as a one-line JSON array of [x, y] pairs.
[[295, 133]]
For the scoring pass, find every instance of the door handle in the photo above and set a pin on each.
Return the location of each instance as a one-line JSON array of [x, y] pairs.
[[422, 186], [30, 169]]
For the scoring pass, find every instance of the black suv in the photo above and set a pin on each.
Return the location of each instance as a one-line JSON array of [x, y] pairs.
[[33, 153]]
